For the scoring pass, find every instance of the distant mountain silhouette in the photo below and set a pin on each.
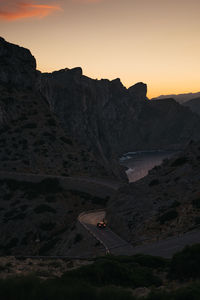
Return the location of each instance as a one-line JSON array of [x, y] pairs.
[[181, 98]]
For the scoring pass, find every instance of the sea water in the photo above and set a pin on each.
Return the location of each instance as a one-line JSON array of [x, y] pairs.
[[140, 162]]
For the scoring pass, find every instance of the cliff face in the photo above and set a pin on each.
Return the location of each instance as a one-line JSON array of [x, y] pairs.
[[94, 111], [104, 117], [112, 120], [18, 66], [32, 139]]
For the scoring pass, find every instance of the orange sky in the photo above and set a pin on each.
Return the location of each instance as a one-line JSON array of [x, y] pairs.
[[154, 41]]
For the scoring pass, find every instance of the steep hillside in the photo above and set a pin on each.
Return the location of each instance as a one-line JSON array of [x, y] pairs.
[[31, 138], [165, 203], [38, 217]]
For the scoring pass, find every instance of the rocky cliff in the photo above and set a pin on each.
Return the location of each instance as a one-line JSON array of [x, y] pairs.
[[18, 66], [104, 117], [112, 120], [31, 137]]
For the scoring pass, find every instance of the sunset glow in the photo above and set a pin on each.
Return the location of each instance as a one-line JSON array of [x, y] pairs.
[[154, 41], [26, 10]]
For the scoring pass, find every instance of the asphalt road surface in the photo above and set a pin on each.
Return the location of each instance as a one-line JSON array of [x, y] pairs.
[[116, 245], [111, 241]]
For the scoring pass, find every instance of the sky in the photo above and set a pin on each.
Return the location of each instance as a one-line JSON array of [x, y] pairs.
[[152, 41]]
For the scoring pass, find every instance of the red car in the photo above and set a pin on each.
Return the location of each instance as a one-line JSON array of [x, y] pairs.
[[101, 225]]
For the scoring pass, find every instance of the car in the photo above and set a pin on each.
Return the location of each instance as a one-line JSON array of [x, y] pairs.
[[101, 225]]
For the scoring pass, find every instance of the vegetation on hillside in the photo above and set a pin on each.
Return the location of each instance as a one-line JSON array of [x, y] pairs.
[[113, 277]]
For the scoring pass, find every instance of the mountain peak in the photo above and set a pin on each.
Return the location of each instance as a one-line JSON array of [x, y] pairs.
[[139, 89]]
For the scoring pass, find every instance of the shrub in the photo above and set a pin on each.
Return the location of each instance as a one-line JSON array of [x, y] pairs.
[[66, 140], [154, 182], [23, 207], [179, 161], [50, 199], [51, 122], [168, 216], [9, 213], [31, 287], [42, 208], [20, 216], [191, 292], [90, 198], [113, 293], [47, 226], [29, 125], [196, 203], [12, 243], [185, 264], [154, 262], [110, 272], [49, 245], [175, 204], [78, 238], [7, 197], [197, 220], [49, 135]]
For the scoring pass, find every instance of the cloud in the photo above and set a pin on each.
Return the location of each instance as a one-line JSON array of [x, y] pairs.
[[14, 10]]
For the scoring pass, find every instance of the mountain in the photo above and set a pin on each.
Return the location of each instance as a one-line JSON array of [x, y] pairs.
[[181, 98], [32, 139], [37, 214], [194, 105], [112, 120], [164, 203], [59, 132]]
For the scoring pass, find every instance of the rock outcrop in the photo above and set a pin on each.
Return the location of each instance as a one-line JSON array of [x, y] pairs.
[[18, 66], [32, 139]]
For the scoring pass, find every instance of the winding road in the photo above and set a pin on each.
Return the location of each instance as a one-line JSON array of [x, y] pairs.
[[112, 243], [116, 245]]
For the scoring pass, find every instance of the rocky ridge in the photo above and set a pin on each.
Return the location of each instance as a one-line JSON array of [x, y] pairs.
[[112, 120]]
